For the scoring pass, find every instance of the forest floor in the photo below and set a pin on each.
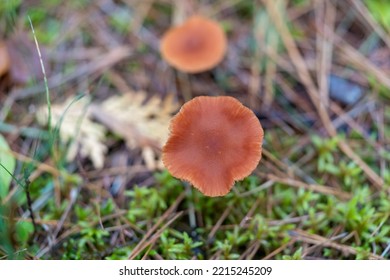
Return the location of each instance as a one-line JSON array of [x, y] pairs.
[[83, 137]]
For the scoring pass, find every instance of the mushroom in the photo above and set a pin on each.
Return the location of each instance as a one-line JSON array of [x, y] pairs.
[[197, 45], [4, 59], [213, 142]]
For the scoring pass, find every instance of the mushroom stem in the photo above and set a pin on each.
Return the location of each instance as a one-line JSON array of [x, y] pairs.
[[191, 206], [183, 9], [184, 85]]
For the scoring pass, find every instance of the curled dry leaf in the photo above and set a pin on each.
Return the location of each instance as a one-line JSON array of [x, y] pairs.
[[141, 122], [75, 125]]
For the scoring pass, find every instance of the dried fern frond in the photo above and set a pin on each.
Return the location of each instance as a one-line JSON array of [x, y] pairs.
[[73, 118], [141, 122]]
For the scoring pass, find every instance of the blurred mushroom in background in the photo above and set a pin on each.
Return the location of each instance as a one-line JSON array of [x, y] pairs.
[[197, 45]]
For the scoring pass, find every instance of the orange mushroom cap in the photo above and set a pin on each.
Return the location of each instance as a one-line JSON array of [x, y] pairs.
[[197, 45], [213, 142], [4, 59]]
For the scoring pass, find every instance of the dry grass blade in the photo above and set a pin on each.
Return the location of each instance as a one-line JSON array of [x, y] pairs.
[[251, 251], [325, 242], [299, 63], [375, 178], [314, 95], [74, 230], [98, 65], [311, 187], [40, 166], [366, 15], [352, 56], [219, 222], [325, 20], [155, 236], [280, 249], [141, 245], [265, 38]]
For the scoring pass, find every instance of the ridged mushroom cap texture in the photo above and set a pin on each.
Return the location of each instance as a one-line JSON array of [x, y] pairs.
[[213, 142], [197, 45]]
